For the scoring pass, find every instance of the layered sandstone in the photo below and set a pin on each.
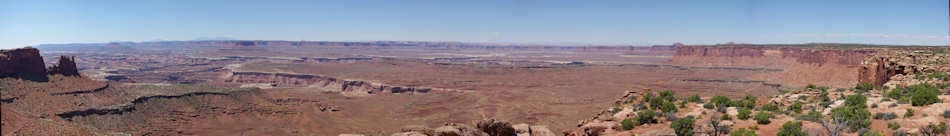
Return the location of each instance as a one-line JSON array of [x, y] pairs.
[[66, 67], [800, 65], [25, 63], [765, 55], [908, 65]]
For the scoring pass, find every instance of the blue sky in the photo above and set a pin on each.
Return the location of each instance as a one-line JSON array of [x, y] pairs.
[[646, 22]]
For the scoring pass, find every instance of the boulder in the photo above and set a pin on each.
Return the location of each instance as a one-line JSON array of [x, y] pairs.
[[495, 128]]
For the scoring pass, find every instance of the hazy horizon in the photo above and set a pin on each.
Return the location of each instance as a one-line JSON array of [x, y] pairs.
[[31, 23]]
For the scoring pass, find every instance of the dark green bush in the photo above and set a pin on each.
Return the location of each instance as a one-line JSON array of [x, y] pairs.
[[791, 128], [695, 98], [721, 101], [797, 107], [893, 125], [924, 95], [646, 116], [667, 107], [683, 127], [917, 95], [909, 113], [864, 86], [627, 124], [770, 107], [748, 102], [885, 116], [763, 118], [744, 114], [857, 118], [856, 101]]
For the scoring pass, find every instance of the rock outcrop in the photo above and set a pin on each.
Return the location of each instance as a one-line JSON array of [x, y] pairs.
[[26, 63], [910, 66], [487, 127], [66, 67]]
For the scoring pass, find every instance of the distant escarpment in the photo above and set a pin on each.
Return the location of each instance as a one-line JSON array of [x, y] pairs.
[[323, 83], [26, 63], [764, 55], [801, 65]]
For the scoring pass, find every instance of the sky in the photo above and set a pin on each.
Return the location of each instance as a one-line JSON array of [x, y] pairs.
[[626, 22]]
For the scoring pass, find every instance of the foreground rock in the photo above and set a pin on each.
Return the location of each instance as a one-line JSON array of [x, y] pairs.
[[488, 127]]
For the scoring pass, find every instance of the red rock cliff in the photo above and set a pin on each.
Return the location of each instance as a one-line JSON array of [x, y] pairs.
[[734, 55], [878, 70], [66, 67], [25, 63], [801, 65]]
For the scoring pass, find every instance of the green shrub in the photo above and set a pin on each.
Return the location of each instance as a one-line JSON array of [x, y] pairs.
[[917, 95], [683, 127], [748, 102], [744, 114], [763, 118], [885, 116], [743, 132], [909, 113], [893, 125], [946, 114], [797, 107], [864, 86], [811, 86], [646, 116], [695, 98], [770, 107], [895, 93], [856, 116], [856, 100], [667, 95], [721, 101], [924, 94], [813, 116], [934, 129], [667, 107], [627, 124], [648, 97], [791, 128]]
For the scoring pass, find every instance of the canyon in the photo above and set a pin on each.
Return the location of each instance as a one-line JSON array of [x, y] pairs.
[[385, 87]]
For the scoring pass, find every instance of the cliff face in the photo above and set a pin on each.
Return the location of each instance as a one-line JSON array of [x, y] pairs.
[[328, 84], [836, 67], [26, 63], [877, 71], [738, 55]]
